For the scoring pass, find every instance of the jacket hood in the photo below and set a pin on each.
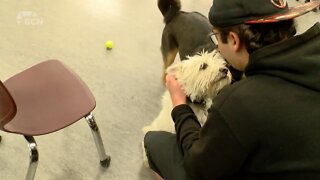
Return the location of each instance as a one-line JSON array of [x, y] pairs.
[[296, 60]]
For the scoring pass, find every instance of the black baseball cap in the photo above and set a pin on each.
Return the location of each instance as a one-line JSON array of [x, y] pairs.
[[232, 12]]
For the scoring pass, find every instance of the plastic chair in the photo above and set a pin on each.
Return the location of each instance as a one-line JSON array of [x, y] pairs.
[[43, 99]]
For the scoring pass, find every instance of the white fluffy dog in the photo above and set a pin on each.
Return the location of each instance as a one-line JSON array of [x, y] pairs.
[[202, 77]]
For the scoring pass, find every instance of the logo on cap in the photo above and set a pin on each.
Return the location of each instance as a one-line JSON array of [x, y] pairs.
[[280, 3]]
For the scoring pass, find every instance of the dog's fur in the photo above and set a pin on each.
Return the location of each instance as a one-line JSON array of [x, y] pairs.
[[186, 33], [201, 77]]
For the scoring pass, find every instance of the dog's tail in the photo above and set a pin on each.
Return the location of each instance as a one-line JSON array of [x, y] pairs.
[[169, 8]]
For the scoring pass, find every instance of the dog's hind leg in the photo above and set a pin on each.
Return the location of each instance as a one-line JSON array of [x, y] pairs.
[[169, 49], [169, 58]]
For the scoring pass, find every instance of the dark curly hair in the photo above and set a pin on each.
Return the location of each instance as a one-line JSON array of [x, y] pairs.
[[256, 36]]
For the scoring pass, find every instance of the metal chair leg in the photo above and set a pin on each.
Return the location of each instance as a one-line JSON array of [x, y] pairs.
[[34, 156], [104, 159]]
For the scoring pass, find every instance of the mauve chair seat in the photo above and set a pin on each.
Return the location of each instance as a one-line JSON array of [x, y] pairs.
[[49, 96], [7, 106]]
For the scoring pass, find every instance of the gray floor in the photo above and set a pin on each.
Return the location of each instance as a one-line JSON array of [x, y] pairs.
[[125, 80]]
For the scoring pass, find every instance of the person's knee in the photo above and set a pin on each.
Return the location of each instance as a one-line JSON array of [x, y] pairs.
[[148, 138], [155, 138], [151, 145], [163, 155]]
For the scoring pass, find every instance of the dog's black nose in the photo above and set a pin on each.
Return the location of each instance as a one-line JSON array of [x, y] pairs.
[[224, 70]]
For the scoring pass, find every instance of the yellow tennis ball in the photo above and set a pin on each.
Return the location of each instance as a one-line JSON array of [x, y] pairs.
[[109, 44]]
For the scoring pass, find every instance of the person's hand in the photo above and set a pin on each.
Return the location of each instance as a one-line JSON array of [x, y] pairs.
[[177, 94]]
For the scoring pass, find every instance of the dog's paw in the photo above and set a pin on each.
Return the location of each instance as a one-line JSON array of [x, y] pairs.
[[145, 130], [145, 162], [144, 157]]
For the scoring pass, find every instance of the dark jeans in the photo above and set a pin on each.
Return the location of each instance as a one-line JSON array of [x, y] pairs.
[[164, 155]]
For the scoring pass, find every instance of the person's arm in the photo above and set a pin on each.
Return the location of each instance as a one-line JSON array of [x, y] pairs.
[[177, 94], [210, 152]]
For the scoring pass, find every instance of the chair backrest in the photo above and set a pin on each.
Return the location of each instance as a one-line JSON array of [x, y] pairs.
[[8, 107]]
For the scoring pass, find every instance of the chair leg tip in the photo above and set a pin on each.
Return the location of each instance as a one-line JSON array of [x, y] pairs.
[[106, 162]]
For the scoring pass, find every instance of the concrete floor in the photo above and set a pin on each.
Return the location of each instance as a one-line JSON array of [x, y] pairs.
[[125, 81]]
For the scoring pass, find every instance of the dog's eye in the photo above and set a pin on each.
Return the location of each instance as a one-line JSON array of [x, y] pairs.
[[203, 66]]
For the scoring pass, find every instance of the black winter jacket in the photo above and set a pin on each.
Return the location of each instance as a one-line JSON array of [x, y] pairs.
[[266, 126]]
